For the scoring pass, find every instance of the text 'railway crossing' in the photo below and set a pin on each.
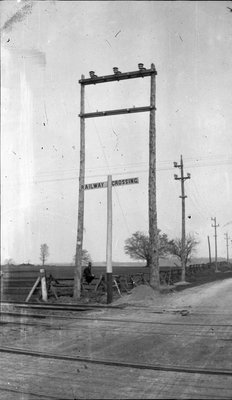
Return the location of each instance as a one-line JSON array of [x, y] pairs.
[[119, 182]]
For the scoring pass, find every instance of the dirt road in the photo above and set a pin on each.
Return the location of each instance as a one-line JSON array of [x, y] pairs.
[[172, 346]]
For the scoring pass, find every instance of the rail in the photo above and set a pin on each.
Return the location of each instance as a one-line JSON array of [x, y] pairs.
[[155, 367]]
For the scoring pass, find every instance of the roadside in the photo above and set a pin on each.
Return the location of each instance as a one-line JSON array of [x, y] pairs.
[[145, 292]]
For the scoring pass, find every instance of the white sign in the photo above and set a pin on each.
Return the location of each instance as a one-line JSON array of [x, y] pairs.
[[128, 181], [97, 185], [118, 182]]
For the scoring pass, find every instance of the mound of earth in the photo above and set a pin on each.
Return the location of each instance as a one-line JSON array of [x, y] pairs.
[[144, 295], [141, 294]]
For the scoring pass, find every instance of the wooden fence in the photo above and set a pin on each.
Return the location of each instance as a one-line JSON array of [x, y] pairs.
[[16, 281]]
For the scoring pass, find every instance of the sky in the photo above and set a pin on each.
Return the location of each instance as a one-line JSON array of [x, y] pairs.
[[45, 48]]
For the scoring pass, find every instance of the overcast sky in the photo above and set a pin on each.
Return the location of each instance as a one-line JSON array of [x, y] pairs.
[[46, 46]]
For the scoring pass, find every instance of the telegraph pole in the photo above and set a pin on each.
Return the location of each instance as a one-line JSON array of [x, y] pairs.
[[182, 179], [80, 228], [215, 226], [227, 247], [209, 250], [153, 233]]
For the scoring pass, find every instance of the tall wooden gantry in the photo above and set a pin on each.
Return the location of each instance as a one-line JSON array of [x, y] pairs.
[[153, 235]]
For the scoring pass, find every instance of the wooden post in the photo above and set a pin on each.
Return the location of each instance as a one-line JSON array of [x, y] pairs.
[[210, 260], [153, 233], [215, 237], [183, 197], [109, 241], [79, 244], [183, 261], [33, 289], [43, 285], [227, 247]]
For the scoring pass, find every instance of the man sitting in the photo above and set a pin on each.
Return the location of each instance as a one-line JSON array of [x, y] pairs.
[[87, 273]]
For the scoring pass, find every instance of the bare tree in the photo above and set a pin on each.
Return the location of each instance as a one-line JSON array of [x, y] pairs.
[[138, 247], [44, 252], [190, 247]]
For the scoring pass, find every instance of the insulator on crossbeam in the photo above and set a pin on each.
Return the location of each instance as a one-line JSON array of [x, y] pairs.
[[116, 71], [141, 67], [92, 74]]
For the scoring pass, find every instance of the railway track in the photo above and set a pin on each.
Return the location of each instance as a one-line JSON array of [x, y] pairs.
[[59, 306], [202, 385], [155, 367], [84, 306], [74, 347], [32, 395], [108, 319], [63, 307], [173, 329]]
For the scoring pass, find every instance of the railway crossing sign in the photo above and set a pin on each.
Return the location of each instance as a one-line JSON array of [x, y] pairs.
[[118, 182], [109, 184]]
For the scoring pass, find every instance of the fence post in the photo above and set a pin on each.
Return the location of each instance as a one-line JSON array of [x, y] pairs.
[[43, 285]]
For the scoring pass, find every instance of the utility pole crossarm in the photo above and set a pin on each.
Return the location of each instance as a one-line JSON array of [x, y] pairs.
[[183, 178], [215, 225], [116, 112], [117, 76]]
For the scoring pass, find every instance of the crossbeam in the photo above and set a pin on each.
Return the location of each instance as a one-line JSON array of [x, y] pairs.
[[116, 112], [119, 76]]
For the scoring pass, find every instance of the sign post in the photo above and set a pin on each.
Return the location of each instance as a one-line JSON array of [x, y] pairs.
[[109, 241], [109, 184]]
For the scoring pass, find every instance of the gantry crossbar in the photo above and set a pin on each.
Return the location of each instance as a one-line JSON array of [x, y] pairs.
[[119, 76], [116, 112]]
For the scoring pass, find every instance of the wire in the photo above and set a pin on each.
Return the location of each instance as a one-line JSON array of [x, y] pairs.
[[146, 170], [129, 171], [135, 164]]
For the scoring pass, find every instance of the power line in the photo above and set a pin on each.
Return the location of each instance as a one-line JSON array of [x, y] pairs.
[[131, 171], [37, 179], [139, 170], [136, 164]]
